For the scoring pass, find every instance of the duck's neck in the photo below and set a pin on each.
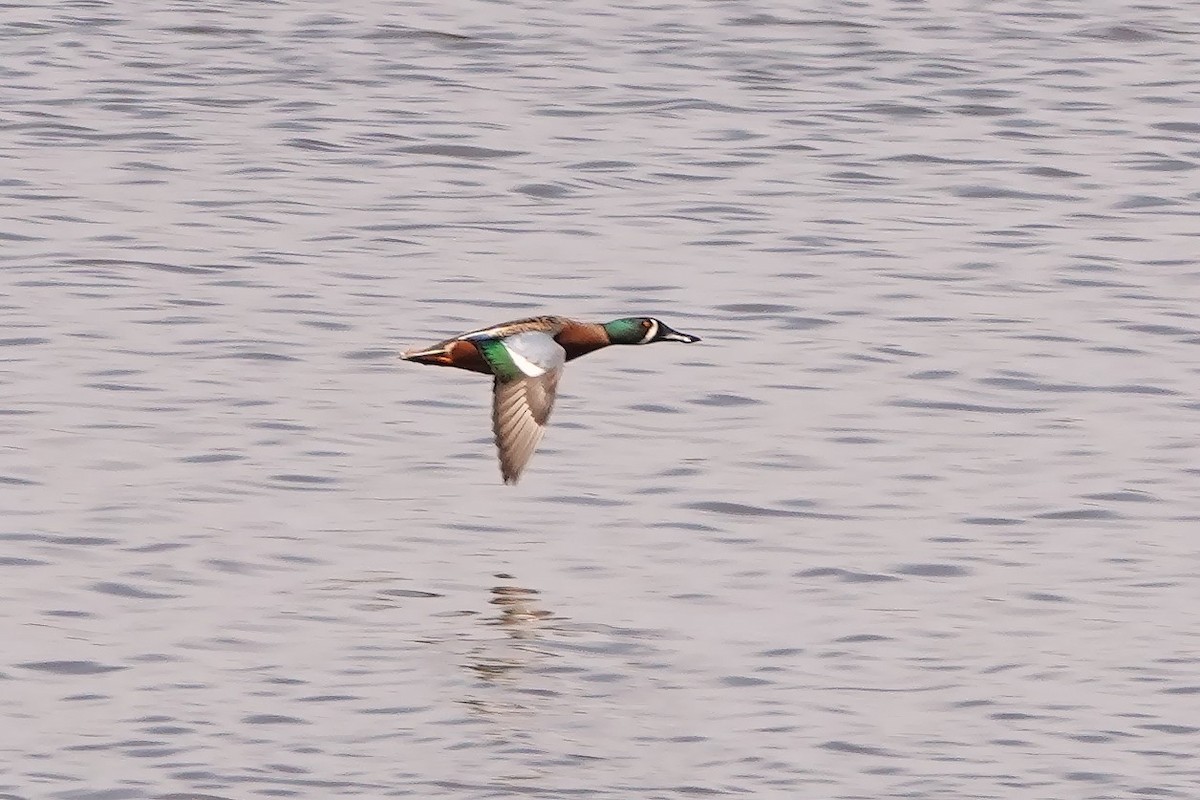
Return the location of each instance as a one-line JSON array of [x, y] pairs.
[[579, 340]]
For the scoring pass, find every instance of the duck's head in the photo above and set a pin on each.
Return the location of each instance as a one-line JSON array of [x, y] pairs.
[[644, 330]]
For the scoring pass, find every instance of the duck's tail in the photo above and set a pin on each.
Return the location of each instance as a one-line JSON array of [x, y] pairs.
[[438, 355]]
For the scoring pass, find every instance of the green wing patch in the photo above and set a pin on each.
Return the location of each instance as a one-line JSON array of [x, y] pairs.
[[498, 359]]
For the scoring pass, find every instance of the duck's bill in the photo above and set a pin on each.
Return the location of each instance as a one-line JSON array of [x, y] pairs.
[[676, 336]]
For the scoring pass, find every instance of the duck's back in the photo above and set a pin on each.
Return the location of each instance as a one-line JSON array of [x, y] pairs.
[[577, 338], [545, 324]]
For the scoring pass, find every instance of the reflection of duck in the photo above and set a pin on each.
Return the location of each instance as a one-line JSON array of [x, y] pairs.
[[519, 617], [526, 358], [517, 611]]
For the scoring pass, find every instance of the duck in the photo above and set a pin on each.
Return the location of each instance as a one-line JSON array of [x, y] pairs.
[[525, 358]]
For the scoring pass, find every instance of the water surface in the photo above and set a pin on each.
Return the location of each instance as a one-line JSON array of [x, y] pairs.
[[915, 520]]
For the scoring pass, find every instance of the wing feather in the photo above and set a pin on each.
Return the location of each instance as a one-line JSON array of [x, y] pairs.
[[520, 410]]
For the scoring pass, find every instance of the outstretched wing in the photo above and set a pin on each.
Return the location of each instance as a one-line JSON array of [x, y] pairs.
[[527, 368], [520, 410]]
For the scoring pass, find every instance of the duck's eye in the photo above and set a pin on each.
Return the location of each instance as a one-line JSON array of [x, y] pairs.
[[646, 324]]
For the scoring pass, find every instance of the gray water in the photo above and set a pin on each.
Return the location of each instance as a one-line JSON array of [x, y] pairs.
[[917, 519]]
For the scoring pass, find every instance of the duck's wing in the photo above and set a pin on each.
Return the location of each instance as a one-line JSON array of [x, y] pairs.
[[527, 367], [520, 410], [464, 351]]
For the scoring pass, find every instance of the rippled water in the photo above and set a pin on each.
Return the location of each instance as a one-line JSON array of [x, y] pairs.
[[915, 520]]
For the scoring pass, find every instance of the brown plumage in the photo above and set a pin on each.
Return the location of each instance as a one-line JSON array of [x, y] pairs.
[[576, 338]]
